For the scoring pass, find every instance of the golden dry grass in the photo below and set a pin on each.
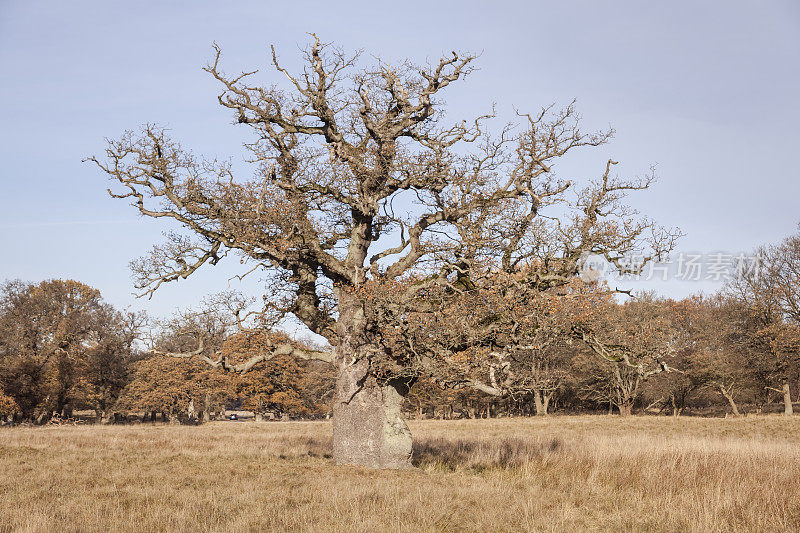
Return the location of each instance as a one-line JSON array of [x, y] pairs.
[[557, 474]]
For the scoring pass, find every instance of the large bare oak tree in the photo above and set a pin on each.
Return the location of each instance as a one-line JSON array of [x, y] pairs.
[[363, 187]]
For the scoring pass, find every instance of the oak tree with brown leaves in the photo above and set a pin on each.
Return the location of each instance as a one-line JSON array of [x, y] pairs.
[[8, 407], [362, 187], [62, 347]]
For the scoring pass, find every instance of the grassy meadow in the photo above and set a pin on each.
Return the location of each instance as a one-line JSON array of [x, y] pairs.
[[554, 474]]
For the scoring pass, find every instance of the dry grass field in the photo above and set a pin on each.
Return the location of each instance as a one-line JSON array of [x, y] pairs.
[[555, 474]]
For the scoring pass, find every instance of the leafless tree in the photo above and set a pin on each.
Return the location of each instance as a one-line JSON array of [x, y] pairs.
[[363, 187]]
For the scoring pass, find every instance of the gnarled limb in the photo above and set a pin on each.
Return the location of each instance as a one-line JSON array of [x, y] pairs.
[[223, 361]]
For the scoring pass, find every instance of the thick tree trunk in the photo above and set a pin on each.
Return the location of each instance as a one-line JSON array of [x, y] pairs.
[[368, 428], [787, 400], [624, 405], [541, 402]]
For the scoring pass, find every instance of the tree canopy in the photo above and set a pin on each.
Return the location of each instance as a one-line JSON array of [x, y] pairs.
[[362, 186]]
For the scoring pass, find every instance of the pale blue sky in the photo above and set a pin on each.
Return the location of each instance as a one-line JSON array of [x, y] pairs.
[[707, 91]]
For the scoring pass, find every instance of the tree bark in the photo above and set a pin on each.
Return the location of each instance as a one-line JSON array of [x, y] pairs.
[[787, 399], [623, 404], [541, 402], [676, 411], [728, 396], [368, 428]]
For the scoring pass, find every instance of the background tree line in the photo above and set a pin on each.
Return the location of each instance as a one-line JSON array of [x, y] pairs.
[[62, 349]]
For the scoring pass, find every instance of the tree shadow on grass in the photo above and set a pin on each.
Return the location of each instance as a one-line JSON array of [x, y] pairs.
[[480, 455], [442, 453]]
